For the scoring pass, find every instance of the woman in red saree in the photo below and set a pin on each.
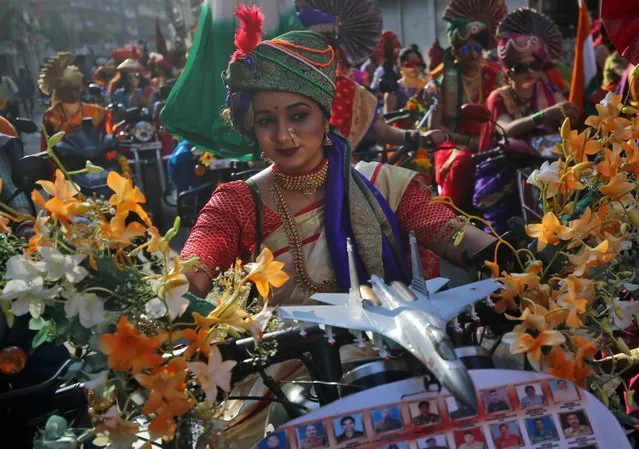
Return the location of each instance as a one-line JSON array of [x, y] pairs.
[[465, 77]]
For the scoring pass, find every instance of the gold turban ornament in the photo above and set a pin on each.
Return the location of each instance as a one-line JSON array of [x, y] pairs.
[[59, 73]]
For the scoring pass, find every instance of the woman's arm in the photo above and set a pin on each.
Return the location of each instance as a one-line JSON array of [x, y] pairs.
[[436, 122], [435, 224], [215, 238]]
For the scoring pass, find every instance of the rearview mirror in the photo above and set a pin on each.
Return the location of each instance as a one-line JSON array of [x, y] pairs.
[[476, 113], [24, 125]]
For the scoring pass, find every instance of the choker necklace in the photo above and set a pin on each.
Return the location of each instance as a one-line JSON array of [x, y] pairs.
[[307, 183]]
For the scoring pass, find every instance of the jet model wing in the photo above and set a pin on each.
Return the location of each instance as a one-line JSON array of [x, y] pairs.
[[448, 304], [335, 299], [435, 284], [379, 320]]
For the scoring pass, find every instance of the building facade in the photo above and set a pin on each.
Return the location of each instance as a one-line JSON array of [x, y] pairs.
[[420, 21]]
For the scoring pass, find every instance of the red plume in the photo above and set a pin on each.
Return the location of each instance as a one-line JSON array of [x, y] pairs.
[[250, 31]]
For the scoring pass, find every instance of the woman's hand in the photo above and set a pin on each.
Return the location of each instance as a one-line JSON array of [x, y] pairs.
[[554, 115], [436, 137]]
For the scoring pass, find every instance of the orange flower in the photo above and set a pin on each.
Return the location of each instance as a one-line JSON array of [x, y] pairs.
[[530, 319], [128, 350], [517, 284], [576, 307], [167, 397], [609, 167], [585, 346], [589, 257], [126, 196], [62, 205], [579, 145], [617, 187], [266, 272], [609, 120], [567, 366], [549, 231], [632, 156], [118, 232], [526, 343]]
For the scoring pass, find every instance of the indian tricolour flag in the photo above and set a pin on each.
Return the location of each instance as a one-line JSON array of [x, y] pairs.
[[584, 71], [193, 109]]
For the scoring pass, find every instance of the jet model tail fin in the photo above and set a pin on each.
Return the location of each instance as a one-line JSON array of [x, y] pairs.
[[354, 293], [419, 283]]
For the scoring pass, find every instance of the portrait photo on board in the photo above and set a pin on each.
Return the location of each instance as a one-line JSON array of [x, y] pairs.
[[400, 445], [506, 435], [433, 442], [470, 439], [563, 391], [496, 400], [424, 412], [275, 440], [575, 424], [386, 419], [457, 409], [531, 396], [311, 436], [541, 429], [348, 428]]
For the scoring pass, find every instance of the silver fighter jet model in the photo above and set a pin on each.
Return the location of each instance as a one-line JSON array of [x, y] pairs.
[[413, 316]]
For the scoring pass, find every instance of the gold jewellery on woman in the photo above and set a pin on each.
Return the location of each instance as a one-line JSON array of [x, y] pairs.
[[306, 183], [296, 246]]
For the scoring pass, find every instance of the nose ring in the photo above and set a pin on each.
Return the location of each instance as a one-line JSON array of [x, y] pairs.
[[293, 134]]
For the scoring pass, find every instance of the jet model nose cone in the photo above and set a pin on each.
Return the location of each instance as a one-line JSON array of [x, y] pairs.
[[461, 386]]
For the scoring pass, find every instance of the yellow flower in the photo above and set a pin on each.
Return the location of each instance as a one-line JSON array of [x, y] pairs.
[[266, 272], [525, 343], [207, 159], [126, 196], [549, 231]]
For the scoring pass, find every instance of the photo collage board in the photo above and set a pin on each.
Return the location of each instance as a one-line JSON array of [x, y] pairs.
[[540, 414]]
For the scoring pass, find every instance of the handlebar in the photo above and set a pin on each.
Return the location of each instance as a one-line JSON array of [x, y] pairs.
[[480, 157]]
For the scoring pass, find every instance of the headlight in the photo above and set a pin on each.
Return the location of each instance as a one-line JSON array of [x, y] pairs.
[[143, 131]]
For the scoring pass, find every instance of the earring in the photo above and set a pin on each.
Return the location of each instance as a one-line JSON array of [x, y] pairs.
[[327, 140], [293, 135]]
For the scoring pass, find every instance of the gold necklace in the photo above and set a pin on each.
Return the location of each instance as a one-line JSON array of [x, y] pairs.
[[296, 247], [306, 183]]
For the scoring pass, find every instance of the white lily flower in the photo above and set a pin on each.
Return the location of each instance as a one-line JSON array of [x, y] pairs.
[[30, 296], [88, 306], [627, 311], [57, 265], [155, 309], [546, 177], [172, 291], [214, 374], [20, 268]]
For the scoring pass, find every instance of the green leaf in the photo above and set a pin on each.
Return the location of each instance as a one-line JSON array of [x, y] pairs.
[[41, 337], [9, 316], [55, 427], [35, 324], [55, 139]]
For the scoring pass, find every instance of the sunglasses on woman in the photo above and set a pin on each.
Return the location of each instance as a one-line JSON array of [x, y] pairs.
[[477, 48], [521, 67]]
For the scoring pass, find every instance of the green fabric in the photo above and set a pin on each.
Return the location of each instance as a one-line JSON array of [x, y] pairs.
[[458, 31], [192, 111], [269, 68]]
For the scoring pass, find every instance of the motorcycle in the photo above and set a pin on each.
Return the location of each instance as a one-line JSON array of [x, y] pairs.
[[86, 144], [520, 157], [141, 140], [14, 150]]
